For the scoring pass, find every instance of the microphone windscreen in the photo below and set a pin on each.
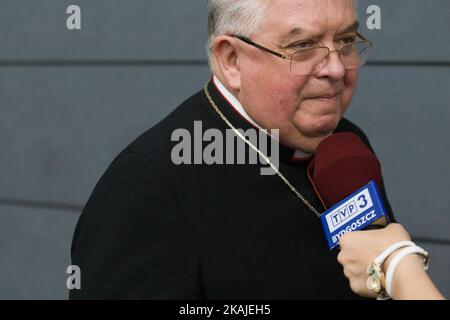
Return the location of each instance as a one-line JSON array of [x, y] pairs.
[[343, 164]]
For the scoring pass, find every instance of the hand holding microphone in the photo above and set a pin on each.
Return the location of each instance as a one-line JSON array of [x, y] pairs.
[[407, 278], [359, 250]]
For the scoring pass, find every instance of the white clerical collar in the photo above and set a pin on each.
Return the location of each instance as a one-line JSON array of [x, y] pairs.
[[234, 102]]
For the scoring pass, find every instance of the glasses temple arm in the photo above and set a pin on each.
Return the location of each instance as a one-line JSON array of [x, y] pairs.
[[250, 42]]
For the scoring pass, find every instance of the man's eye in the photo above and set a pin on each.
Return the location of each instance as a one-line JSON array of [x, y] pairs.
[[303, 45], [347, 40]]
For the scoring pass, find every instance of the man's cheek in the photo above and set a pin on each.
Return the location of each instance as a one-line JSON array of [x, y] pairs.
[[351, 80], [346, 98], [280, 97]]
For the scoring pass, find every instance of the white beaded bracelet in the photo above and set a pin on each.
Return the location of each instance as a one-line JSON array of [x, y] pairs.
[[386, 253], [375, 270], [396, 260]]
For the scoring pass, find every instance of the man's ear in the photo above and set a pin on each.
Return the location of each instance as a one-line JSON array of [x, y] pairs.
[[227, 60]]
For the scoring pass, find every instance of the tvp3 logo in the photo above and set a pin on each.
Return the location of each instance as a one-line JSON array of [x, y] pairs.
[[355, 212]]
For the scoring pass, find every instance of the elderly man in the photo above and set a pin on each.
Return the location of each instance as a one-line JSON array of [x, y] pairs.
[[162, 229]]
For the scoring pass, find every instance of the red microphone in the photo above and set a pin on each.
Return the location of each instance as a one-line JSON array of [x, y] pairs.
[[342, 165]]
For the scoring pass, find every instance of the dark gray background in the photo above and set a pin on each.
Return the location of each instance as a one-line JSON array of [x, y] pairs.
[[71, 100]]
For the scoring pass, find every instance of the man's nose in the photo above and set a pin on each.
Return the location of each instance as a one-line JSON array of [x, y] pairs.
[[333, 67]]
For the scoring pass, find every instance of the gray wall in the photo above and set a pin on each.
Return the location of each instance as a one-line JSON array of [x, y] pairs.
[[71, 100]]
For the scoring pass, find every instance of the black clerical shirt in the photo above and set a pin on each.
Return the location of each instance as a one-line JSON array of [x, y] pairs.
[[155, 230]]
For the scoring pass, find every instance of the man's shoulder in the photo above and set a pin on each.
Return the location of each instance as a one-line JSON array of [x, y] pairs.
[[146, 159]]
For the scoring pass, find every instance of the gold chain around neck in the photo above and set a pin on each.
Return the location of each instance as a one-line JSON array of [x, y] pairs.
[[277, 171]]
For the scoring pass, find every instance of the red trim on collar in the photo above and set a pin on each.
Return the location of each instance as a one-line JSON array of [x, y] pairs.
[[310, 166], [234, 108]]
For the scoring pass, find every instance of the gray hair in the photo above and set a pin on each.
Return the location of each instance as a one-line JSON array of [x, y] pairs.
[[241, 17]]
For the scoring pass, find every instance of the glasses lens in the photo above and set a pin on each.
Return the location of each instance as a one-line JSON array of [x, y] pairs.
[[310, 61], [356, 55], [305, 62]]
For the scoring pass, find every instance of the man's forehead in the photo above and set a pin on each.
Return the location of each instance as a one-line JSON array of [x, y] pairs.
[[292, 18], [297, 31], [310, 5]]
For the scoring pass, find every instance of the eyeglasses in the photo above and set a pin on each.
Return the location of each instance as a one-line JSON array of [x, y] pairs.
[[311, 60]]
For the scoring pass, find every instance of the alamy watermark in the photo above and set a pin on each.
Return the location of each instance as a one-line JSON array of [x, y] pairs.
[[374, 20], [213, 147], [73, 21], [74, 279]]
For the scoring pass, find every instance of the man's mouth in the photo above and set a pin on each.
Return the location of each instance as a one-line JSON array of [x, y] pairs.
[[326, 96]]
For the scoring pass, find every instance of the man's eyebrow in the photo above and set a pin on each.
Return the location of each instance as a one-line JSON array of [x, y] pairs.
[[297, 31], [352, 28], [293, 33]]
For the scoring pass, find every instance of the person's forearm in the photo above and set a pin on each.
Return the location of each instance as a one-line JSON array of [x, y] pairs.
[[411, 282]]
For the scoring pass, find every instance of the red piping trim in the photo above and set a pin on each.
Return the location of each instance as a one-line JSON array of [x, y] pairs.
[[223, 95], [314, 186]]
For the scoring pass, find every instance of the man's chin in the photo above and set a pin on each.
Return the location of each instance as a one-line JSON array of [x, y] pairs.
[[323, 129], [308, 140]]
